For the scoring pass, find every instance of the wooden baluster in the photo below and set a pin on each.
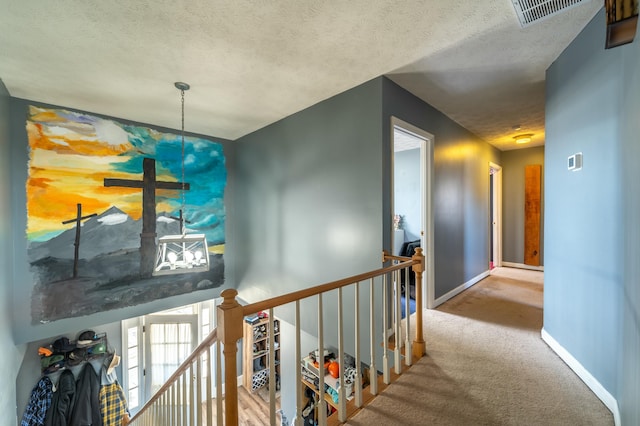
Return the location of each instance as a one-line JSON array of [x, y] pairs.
[[385, 325], [184, 399], [298, 419], [176, 399], [418, 343], [163, 415], [357, 384], [170, 400], [342, 406], [192, 396], [209, 395], [176, 402], [272, 370], [322, 405], [219, 408], [230, 326], [397, 338], [198, 398], [373, 373], [407, 321]]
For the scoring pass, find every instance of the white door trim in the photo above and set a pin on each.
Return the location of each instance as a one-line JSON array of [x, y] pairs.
[[497, 214], [426, 189]]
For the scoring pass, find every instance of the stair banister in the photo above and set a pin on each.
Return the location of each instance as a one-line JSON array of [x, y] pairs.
[[230, 316], [168, 406], [418, 346]]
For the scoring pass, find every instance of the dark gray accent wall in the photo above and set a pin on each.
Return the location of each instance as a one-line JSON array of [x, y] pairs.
[[14, 353], [591, 216], [407, 196], [460, 188], [513, 165], [24, 330]]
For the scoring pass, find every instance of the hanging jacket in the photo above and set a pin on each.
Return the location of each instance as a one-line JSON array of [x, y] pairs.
[[113, 404], [39, 403], [59, 413], [86, 409]]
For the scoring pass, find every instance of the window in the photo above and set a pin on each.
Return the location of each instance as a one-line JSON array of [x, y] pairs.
[[157, 344]]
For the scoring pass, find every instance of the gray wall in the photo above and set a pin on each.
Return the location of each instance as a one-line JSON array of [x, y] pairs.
[[308, 208], [309, 195], [513, 164], [14, 353], [629, 366], [460, 188], [407, 196], [591, 255]]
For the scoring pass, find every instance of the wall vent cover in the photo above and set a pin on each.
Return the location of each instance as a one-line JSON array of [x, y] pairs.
[[532, 11]]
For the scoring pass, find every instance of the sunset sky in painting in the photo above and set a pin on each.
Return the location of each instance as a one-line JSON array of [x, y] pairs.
[[71, 154]]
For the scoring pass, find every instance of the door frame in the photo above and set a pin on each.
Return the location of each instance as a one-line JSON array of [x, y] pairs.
[[426, 190], [496, 213]]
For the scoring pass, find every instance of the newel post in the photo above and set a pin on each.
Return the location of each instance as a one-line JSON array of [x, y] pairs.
[[229, 317], [418, 343]]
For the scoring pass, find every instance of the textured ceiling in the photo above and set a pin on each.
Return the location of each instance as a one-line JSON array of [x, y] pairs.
[[251, 63]]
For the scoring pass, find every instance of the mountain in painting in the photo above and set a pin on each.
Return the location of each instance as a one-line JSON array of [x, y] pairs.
[[112, 230]]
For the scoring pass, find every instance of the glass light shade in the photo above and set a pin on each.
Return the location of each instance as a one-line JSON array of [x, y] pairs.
[[520, 139], [180, 254]]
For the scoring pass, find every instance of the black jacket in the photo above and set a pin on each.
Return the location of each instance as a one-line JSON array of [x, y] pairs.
[[86, 409], [62, 401]]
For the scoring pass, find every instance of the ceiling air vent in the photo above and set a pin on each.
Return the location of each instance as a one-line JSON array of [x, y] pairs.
[[532, 11]]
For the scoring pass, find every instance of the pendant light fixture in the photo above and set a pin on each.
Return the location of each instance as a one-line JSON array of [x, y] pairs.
[[183, 253]]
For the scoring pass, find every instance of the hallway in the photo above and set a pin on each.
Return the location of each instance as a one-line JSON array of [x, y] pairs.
[[486, 364]]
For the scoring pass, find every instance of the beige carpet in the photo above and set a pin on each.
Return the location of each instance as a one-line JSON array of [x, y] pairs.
[[487, 365]]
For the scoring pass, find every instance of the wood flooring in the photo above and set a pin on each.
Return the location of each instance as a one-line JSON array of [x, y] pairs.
[[253, 408]]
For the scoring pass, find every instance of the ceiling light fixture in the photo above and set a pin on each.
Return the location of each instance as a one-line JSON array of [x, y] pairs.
[[524, 138], [178, 254]]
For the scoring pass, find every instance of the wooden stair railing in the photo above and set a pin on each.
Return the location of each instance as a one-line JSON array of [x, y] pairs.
[[179, 401]]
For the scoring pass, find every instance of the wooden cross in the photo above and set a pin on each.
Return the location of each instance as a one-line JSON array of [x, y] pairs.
[[78, 219], [181, 220], [149, 184]]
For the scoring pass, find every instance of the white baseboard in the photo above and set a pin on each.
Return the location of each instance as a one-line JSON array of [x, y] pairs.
[[607, 399], [440, 300], [522, 266]]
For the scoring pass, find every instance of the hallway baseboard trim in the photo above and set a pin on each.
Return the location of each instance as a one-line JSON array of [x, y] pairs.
[[440, 300], [607, 399], [522, 266]]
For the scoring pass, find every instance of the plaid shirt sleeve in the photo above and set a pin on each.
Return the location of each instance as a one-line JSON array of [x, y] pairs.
[[113, 404], [39, 403]]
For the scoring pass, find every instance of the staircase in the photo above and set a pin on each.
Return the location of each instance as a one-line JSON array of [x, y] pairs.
[[188, 396]]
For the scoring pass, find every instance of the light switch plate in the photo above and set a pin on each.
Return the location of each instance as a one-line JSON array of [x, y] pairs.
[[574, 162]]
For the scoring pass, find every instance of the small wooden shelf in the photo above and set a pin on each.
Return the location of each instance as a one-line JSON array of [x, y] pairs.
[[256, 358], [327, 397]]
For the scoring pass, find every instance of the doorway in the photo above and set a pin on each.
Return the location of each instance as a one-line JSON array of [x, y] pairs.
[[411, 196], [495, 215]]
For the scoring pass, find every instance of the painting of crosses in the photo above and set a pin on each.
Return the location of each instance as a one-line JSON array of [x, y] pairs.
[[99, 195]]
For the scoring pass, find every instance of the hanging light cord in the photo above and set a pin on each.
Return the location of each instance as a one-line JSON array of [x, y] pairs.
[[182, 219], [182, 87]]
